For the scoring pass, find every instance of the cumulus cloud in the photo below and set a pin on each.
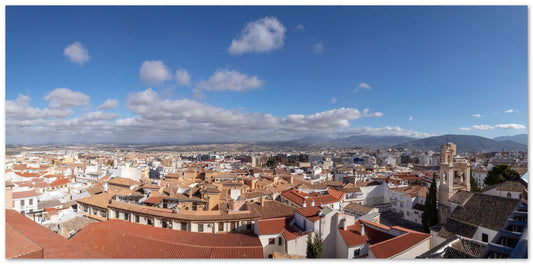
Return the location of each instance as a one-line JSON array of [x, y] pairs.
[[318, 48], [362, 85], [410, 118], [488, 127], [333, 100], [108, 104], [159, 119], [19, 109], [183, 78], [510, 126], [61, 98], [510, 111], [476, 115], [300, 27], [226, 80], [76, 53], [381, 131], [154, 72], [262, 35]]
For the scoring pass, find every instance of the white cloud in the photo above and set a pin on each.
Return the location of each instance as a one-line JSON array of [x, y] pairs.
[[333, 100], [382, 131], [154, 72], [510, 111], [510, 126], [362, 86], [76, 53], [108, 104], [19, 109], [317, 48], [64, 98], [488, 127], [226, 80], [157, 119], [410, 118], [300, 27], [476, 115], [183, 78], [262, 35]]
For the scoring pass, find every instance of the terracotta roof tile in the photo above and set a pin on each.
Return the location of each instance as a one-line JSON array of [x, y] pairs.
[[352, 235], [59, 182], [52, 244], [272, 226], [310, 213], [122, 239], [397, 245], [291, 232], [24, 194]]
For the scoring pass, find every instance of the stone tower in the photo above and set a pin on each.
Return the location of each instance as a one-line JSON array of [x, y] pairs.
[[454, 176]]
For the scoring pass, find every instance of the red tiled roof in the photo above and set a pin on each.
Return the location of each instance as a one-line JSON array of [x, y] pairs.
[[28, 174], [272, 226], [21, 229], [352, 235], [291, 232], [59, 182], [100, 200], [24, 194], [298, 197], [397, 245], [154, 200], [122, 239], [18, 246], [42, 184], [310, 213], [123, 181]]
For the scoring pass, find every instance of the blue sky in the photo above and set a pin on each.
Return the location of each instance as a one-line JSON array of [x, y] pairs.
[[178, 74]]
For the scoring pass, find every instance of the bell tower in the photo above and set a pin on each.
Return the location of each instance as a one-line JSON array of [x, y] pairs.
[[454, 176]]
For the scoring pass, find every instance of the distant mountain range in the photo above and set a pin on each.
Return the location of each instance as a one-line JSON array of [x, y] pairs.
[[465, 143], [520, 138]]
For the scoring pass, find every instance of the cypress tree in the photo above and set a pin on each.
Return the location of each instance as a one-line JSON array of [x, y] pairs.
[[317, 246], [430, 216], [310, 252]]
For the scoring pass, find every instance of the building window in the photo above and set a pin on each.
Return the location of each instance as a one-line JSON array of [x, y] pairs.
[[271, 241], [270, 256], [508, 195], [164, 224], [116, 214], [484, 237], [233, 225], [200, 227], [31, 200], [103, 214], [220, 226], [126, 217], [136, 219], [149, 221], [184, 226], [356, 253], [280, 241], [21, 202]]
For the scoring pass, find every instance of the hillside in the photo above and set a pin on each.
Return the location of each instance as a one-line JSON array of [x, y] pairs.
[[520, 138], [465, 143]]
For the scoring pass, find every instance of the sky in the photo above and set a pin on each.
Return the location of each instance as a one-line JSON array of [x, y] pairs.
[[142, 74]]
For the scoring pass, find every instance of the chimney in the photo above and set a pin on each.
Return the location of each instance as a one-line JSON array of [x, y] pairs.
[[362, 229], [312, 202], [263, 201], [344, 223], [304, 205]]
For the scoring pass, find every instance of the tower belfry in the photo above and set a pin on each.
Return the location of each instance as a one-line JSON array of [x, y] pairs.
[[454, 176]]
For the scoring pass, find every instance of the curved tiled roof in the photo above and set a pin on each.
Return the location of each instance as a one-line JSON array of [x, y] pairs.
[[122, 239], [20, 230]]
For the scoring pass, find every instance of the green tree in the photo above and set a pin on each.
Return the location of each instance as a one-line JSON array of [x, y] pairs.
[[310, 252], [430, 216], [500, 174], [473, 185], [317, 246], [314, 246]]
